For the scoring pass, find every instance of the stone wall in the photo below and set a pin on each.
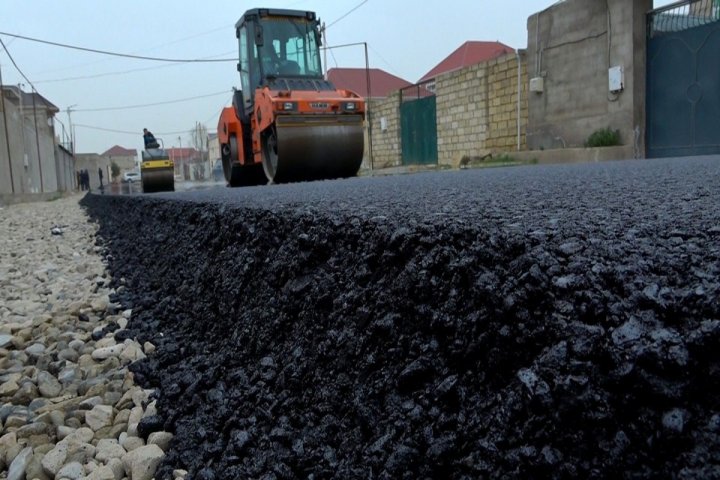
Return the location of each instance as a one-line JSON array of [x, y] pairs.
[[477, 109], [462, 113], [477, 114], [505, 83], [571, 46], [386, 143]]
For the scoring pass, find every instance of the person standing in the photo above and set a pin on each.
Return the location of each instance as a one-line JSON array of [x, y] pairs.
[[100, 175]]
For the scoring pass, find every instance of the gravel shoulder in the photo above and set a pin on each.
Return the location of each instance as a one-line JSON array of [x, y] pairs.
[[69, 407]]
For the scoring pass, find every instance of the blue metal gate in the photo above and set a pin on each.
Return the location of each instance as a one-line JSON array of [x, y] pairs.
[[683, 79]]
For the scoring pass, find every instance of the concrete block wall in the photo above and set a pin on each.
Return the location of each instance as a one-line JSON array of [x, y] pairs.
[[31, 155], [477, 109], [45, 139], [505, 84], [93, 161], [571, 46], [64, 163], [462, 113], [11, 167], [386, 150]]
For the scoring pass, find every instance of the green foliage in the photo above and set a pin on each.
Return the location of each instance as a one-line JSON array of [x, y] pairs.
[[605, 137], [504, 158], [114, 170]]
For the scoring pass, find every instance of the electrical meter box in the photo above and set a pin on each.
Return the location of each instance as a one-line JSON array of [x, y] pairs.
[[616, 79], [537, 84]]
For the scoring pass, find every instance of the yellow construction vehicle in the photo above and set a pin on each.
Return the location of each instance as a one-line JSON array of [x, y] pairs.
[[157, 171]]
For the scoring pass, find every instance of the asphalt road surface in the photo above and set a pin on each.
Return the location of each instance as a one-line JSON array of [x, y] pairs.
[[532, 322]]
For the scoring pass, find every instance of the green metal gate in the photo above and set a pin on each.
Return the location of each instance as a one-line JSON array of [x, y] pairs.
[[418, 126], [683, 80]]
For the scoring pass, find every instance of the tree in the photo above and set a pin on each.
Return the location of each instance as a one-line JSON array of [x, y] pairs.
[[198, 137], [114, 170]]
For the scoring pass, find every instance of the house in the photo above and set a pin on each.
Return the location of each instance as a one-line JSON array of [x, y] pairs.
[[188, 163], [468, 54], [215, 157], [381, 83], [125, 158], [31, 160]]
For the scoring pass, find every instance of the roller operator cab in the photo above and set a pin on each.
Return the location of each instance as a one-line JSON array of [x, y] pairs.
[[287, 123]]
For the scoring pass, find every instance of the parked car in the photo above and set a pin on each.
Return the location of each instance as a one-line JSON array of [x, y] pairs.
[[131, 177]]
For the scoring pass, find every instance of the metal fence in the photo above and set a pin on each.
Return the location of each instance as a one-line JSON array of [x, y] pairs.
[[417, 91], [683, 16]]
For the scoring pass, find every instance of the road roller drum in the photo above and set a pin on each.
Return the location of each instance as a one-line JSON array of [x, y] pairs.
[[157, 171]]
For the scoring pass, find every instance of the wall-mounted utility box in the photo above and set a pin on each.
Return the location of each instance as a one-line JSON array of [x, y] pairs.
[[616, 79], [537, 84]]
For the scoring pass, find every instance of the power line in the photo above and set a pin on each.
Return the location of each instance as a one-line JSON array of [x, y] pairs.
[[16, 65], [128, 107], [392, 68], [90, 127], [121, 72], [348, 13], [124, 55], [155, 47], [216, 115]]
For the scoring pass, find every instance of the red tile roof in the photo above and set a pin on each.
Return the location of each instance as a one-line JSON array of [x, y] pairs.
[[382, 83], [469, 53], [119, 151], [183, 153]]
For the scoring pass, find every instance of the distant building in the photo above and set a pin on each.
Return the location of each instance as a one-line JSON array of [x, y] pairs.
[[381, 83], [31, 159], [189, 163], [214, 157], [125, 158], [468, 54]]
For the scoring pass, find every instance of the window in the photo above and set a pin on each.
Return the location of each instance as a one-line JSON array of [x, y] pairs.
[[290, 47], [244, 64]]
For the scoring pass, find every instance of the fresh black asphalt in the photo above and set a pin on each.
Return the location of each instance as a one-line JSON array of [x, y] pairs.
[[532, 322]]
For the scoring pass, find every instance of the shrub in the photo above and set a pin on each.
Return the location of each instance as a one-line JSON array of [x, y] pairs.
[[605, 137]]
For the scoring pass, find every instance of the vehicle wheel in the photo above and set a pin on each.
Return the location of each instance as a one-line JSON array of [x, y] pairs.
[[270, 155], [237, 175]]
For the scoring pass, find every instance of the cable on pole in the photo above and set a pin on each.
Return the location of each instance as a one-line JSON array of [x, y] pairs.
[[117, 54]]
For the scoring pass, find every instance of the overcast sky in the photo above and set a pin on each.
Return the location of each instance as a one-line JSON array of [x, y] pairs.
[[406, 38]]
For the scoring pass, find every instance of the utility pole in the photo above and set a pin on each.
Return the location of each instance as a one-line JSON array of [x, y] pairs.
[[182, 164], [26, 164], [368, 116], [70, 128], [7, 136], [72, 141], [367, 106]]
